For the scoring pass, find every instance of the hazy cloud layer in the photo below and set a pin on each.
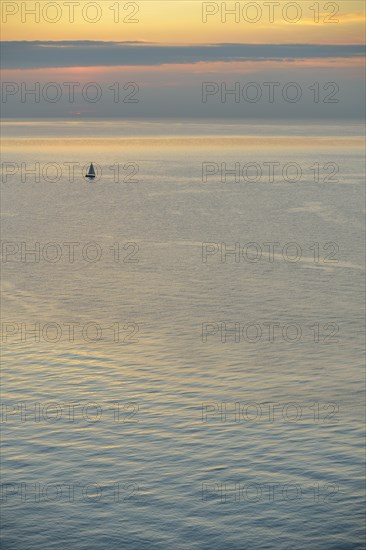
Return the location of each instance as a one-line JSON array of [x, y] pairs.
[[35, 55]]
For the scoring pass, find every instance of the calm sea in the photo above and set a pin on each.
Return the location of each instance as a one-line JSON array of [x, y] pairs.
[[182, 336]]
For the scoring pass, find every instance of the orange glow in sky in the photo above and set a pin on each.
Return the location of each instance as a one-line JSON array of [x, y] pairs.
[[185, 21]]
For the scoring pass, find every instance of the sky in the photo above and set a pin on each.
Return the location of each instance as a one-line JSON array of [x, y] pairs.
[[181, 58]]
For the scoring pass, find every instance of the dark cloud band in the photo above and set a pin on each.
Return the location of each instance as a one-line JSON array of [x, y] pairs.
[[36, 55]]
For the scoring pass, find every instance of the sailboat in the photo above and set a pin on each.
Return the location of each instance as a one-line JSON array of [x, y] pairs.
[[91, 172]]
